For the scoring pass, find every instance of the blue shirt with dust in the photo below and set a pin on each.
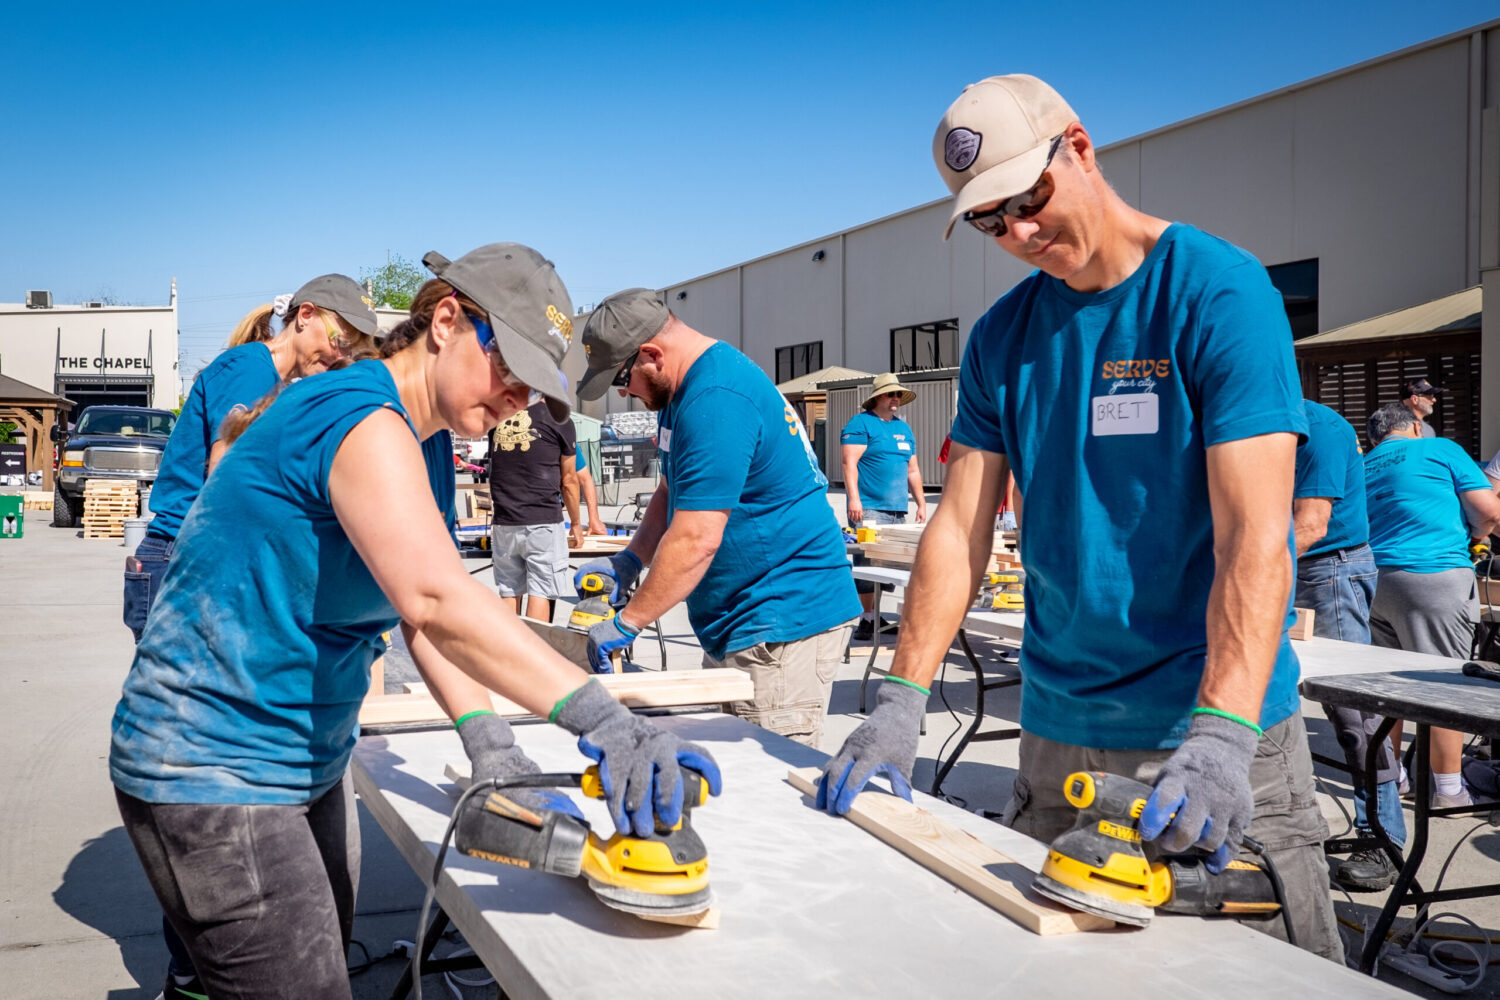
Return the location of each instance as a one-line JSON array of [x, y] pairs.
[[730, 441], [236, 379], [1105, 405], [247, 683], [889, 447], [1416, 518]]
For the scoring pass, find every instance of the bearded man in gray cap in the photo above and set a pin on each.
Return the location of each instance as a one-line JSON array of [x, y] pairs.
[[1140, 384], [777, 602]]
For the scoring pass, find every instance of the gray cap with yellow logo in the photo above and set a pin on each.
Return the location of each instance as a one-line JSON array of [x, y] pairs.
[[340, 294], [528, 308], [615, 330]]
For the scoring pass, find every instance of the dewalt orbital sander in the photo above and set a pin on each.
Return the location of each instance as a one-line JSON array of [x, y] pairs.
[[1100, 866], [664, 874], [593, 605]]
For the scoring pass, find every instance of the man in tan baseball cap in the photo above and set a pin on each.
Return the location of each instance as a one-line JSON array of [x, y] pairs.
[[1141, 387]]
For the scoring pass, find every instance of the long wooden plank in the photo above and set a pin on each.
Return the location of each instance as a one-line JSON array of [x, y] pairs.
[[652, 689], [975, 867], [573, 645]]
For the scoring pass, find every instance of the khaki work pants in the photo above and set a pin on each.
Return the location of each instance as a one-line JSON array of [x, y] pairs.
[[793, 681]]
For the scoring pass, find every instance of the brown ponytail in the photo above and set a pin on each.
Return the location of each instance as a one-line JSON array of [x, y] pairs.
[[416, 325], [255, 326]]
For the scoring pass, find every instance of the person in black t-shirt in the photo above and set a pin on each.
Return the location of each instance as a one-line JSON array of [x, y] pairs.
[[531, 476]]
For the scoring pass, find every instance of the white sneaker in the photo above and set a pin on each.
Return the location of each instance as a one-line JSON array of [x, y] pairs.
[[1440, 801]]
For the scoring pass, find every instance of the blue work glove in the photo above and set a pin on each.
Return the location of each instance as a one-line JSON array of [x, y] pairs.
[[1205, 784], [638, 761], [885, 743], [607, 638], [492, 751], [623, 567]]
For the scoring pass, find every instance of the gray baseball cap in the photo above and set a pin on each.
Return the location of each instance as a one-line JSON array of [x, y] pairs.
[[528, 308], [614, 331], [343, 295]]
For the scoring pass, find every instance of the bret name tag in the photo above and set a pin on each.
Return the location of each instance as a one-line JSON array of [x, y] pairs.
[[1126, 413]]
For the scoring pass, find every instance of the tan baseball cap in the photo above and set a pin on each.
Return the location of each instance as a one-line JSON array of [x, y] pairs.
[[992, 143]]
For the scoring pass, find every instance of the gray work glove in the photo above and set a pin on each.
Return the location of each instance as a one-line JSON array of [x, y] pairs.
[[639, 762], [623, 568], [1206, 784], [492, 751], [885, 743]]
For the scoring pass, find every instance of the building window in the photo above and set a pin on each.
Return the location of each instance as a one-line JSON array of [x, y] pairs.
[[798, 360], [1298, 284], [925, 346]]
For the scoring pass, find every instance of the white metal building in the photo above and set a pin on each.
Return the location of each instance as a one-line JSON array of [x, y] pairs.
[[93, 353], [1369, 189]]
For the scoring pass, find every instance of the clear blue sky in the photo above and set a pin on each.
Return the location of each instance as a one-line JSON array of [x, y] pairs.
[[244, 148]]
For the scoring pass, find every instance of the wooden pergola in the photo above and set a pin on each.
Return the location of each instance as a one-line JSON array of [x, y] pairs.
[[35, 411]]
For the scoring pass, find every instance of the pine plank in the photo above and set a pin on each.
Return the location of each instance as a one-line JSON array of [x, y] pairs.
[[975, 867]]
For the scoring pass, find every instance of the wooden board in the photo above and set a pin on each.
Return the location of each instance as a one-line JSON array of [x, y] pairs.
[[572, 644], [975, 867], [1303, 627], [653, 689]]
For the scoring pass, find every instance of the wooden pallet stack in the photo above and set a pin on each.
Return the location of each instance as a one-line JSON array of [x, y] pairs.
[[106, 505], [37, 500], [898, 547]]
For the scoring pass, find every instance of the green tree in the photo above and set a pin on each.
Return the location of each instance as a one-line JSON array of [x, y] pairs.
[[10, 433], [395, 284]]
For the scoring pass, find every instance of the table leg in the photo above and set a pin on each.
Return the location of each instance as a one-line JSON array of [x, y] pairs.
[[979, 686], [1417, 846], [874, 651], [429, 942]]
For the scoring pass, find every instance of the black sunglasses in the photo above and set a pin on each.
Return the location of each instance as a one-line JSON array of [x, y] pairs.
[[622, 377], [1020, 206]]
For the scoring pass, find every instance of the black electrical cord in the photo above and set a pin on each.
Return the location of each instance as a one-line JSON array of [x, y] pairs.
[[1269, 866], [549, 780]]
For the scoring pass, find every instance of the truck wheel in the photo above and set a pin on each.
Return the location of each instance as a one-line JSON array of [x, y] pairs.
[[62, 509]]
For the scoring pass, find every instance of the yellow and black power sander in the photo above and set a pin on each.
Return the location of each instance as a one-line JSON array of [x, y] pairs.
[[1100, 866], [662, 875], [593, 605]]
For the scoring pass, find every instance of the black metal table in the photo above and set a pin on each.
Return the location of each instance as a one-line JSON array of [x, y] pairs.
[[1448, 700]]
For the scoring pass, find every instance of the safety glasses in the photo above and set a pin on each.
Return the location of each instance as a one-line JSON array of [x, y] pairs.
[[622, 377], [1021, 206]]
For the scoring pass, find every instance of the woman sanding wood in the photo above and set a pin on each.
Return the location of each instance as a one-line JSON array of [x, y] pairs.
[[316, 533]]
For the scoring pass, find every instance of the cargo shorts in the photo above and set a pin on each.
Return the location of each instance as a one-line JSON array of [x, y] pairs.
[[530, 559], [793, 681], [1287, 818]]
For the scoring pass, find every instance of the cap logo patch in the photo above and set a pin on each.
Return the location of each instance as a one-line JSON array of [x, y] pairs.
[[961, 149], [561, 325], [369, 303]]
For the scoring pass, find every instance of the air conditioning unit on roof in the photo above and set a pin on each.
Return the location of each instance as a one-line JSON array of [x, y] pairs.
[[93, 305], [39, 300]]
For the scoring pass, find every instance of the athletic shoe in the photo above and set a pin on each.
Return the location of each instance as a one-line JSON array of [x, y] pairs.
[[1366, 871], [1403, 788], [865, 630], [190, 990], [1440, 801]]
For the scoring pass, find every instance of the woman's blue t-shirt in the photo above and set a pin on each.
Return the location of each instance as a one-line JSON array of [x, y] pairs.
[[239, 377], [247, 683], [889, 447], [1105, 404]]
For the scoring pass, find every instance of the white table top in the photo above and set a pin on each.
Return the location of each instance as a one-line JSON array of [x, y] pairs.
[[812, 906]]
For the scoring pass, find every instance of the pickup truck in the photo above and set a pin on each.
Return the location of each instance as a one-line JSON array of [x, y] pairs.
[[107, 442]]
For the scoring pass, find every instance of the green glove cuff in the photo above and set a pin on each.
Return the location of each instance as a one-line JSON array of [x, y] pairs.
[[469, 715], [910, 684]]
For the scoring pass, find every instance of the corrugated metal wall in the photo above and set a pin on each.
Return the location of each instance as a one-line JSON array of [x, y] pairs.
[[930, 416]]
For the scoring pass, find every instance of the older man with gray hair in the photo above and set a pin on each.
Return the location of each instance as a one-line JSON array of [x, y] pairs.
[[1426, 498]]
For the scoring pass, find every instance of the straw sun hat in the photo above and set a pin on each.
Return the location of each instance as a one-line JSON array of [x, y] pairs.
[[888, 383]]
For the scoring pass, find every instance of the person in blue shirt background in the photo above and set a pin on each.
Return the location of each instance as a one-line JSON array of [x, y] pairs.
[[1426, 498], [880, 466], [589, 494], [317, 533], [739, 526], [325, 322], [1336, 577], [1141, 386]]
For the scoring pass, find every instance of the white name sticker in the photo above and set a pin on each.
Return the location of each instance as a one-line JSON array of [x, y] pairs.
[[903, 446], [664, 439], [1126, 413]]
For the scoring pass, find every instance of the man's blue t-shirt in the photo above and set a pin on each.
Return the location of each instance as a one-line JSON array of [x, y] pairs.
[[1416, 519], [730, 441], [239, 377], [1329, 465], [247, 683], [889, 447], [1104, 404]]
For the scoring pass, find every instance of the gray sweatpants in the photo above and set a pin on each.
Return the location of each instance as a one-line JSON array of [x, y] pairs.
[[1287, 819], [1425, 612]]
